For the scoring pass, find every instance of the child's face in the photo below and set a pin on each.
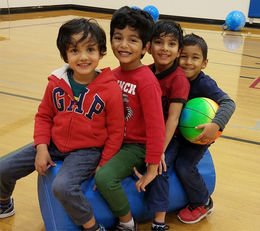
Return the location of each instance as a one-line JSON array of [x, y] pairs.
[[164, 50], [83, 58], [191, 61], [128, 48]]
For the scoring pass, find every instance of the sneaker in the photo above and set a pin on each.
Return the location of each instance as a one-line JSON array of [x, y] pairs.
[[101, 227], [190, 215], [160, 228], [121, 227], [7, 212]]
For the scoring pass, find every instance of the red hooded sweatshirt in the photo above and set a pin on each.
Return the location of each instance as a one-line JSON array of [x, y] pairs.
[[95, 120]]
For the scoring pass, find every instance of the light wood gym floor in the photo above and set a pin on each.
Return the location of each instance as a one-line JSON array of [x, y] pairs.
[[28, 54]]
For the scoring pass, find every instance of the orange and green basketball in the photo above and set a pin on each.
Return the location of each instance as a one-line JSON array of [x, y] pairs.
[[197, 111]]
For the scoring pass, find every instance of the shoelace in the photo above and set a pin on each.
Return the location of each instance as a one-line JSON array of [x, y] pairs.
[[160, 228], [190, 208]]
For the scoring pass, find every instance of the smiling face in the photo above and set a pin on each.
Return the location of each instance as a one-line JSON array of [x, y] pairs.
[[83, 58], [164, 49], [191, 61], [128, 48]]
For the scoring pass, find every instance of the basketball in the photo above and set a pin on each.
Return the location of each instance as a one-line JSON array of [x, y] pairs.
[[197, 111], [235, 21], [153, 11]]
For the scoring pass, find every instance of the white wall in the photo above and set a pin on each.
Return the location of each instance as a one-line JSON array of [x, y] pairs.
[[208, 9]]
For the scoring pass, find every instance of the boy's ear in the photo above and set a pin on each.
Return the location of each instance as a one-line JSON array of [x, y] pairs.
[[204, 64], [146, 48], [101, 56], [179, 53]]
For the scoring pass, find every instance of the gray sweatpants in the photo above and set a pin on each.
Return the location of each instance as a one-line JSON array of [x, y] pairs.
[[78, 165]]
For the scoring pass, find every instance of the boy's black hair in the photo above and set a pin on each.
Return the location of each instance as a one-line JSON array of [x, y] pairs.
[[76, 26], [168, 27], [192, 40], [138, 19]]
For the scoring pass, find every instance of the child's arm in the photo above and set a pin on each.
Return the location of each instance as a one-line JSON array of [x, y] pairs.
[[172, 122], [225, 111], [44, 118], [155, 132], [42, 132], [43, 159], [170, 127], [114, 124]]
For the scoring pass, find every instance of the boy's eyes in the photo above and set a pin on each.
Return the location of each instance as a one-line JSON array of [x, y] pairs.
[[91, 49], [117, 37], [186, 56], [170, 44], [74, 50], [130, 40], [134, 40], [157, 41]]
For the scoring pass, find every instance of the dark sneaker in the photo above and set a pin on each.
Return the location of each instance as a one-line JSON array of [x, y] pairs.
[[160, 228], [190, 215], [7, 212], [101, 227], [121, 227]]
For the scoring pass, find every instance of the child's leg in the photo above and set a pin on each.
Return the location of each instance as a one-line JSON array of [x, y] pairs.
[[66, 187], [200, 203], [187, 171], [158, 190], [13, 167], [108, 178]]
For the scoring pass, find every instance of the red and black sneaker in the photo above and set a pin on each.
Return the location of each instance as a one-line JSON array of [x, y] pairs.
[[191, 215]]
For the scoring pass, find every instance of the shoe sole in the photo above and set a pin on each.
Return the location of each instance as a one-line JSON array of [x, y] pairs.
[[199, 219], [7, 214]]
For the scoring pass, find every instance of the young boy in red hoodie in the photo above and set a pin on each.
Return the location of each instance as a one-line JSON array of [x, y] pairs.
[[130, 35], [80, 121]]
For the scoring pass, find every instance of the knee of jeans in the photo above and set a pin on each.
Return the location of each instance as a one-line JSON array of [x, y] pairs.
[[61, 189], [3, 169], [182, 167]]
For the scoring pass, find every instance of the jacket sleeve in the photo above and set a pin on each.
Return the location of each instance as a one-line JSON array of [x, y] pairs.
[[154, 121], [44, 118], [114, 123], [225, 111]]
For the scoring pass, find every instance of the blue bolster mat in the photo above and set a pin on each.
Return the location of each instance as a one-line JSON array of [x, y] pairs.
[[56, 219]]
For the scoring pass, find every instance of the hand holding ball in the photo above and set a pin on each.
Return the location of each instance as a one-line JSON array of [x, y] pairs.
[[197, 111]]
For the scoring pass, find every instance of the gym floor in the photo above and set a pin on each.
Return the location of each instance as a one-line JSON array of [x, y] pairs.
[[28, 54]]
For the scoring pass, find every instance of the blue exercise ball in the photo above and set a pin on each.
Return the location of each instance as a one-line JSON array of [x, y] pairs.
[[153, 11], [235, 21], [56, 219]]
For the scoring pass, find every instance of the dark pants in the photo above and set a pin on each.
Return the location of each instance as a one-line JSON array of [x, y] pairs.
[[78, 165], [183, 156]]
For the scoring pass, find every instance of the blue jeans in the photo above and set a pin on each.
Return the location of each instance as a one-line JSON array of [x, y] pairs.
[[78, 165], [183, 156]]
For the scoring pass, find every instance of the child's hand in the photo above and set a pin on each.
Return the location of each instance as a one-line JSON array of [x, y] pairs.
[[43, 159], [151, 173], [209, 133], [98, 167], [162, 165]]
